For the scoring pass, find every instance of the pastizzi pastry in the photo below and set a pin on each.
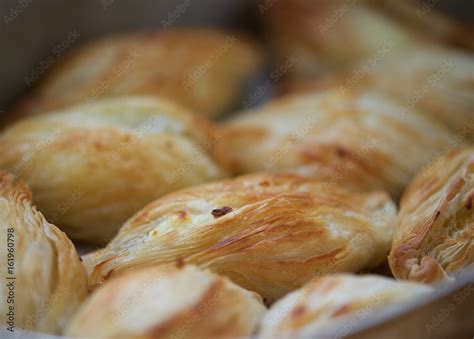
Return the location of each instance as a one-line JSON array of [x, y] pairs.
[[359, 139], [90, 167], [325, 36], [434, 235], [332, 306], [268, 232], [434, 81], [43, 280], [332, 35], [168, 302], [204, 70]]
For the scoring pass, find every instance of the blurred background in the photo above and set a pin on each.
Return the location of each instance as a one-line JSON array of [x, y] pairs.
[[30, 30]]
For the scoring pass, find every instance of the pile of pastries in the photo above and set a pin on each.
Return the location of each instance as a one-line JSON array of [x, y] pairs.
[[348, 192]]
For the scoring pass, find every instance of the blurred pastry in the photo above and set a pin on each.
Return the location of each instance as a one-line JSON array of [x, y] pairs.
[[435, 81], [434, 236], [43, 280], [203, 70], [269, 233], [91, 167], [333, 306], [167, 302], [359, 139], [429, 20], [332, 35]]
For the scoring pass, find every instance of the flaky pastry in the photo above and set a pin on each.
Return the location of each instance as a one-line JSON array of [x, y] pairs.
[[91, 167], [332, 306], [203, 70], [269, 233], [358, 139], [43, 280], [434, 235], [168, 302]]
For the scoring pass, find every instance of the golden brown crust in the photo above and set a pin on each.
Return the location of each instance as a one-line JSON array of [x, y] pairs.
[[168, 302], [49, 280], [359, 139], [203, 70], [269, 233], [434, 235], [330, 306], [92, 166]]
